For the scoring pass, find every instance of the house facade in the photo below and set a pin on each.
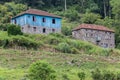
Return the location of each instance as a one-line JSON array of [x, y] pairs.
[[37, 21], [96, 34]]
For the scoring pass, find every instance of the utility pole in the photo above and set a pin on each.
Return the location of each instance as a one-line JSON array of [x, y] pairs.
[[65, 5]]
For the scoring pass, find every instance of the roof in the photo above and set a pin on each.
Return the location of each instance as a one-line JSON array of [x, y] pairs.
[[94, 27], [37, 12]]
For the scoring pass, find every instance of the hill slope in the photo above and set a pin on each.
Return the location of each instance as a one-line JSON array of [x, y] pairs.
[[68, 56]]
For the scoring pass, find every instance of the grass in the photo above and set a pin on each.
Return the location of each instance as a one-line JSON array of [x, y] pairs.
[[82, 56], [15, 65]]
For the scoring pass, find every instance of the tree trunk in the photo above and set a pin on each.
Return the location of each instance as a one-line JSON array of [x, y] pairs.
[[105, 12], [65, 5]]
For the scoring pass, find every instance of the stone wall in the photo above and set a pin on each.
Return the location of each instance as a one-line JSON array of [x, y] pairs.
[[102, 38], [39, 30]]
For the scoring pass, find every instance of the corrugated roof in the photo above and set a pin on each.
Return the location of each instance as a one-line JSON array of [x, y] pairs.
[[94, 27], [37, 12]]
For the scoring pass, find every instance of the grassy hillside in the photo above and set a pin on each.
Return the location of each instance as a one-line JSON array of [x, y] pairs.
[[67, 55]]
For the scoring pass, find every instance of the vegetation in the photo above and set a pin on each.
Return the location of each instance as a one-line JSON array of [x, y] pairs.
[[41, 71], [72, 59], [104, 75], [14, 30]]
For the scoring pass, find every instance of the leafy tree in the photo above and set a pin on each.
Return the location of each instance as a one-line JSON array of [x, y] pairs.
[[14, 30], [10, 9], [116, 8], [41, 70], [90, 18]]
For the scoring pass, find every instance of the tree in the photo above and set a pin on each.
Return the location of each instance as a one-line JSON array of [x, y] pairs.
[[90, 18], [41, 70], [10, 9], [14, 30], [116, 8]]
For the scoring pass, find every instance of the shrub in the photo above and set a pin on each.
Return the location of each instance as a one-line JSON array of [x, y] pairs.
[[107, 75], [53, 40], [104, 75], [25, 42], [65, 77], [64, 47], [118, 76], [97, 75], [81, 75], [14, 30], [41, 71], [20, 41], [67, 30]]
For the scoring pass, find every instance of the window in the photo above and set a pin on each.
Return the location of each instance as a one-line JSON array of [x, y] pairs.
[[91, 35], [53, 21], [34, 28], [53, 30], [44, 30], [111, 45], [43, 20], [105, 45], [86, 34], [33, 18], [29, 16], [15, 21], [22, 28]]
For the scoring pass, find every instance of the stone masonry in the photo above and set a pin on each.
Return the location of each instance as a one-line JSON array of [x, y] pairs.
[[101, 36]]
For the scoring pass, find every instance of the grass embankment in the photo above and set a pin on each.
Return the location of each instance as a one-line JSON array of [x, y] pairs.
[[68, 56]]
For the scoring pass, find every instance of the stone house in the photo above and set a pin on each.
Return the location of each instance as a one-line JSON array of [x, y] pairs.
[[96, 34], [37, 22]]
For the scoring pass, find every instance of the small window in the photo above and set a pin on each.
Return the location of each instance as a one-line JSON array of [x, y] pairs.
[[91, 35], [86, 34], [43, 20], [28, 16], [44, 30], [15, 21], [53, 21], [22, 28], [33, 18], [53, 30], [111, 45], [34, 28]]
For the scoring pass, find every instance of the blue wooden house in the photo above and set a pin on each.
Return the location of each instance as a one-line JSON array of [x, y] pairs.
[[37, 21]]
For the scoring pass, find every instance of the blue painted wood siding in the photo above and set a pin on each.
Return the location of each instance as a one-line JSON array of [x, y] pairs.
[[28, 19]]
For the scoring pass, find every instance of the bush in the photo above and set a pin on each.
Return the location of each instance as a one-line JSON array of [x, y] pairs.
[[53, 40], [65, 77], [97, 75], [81, 75], [41, 71], [107, 75], [104, 75], [25, 42], [64, 47], [67, 30], [20, 41], [14, 30]]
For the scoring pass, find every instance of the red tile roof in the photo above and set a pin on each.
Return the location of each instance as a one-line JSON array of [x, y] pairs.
[[93, 26], [38, 12]]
